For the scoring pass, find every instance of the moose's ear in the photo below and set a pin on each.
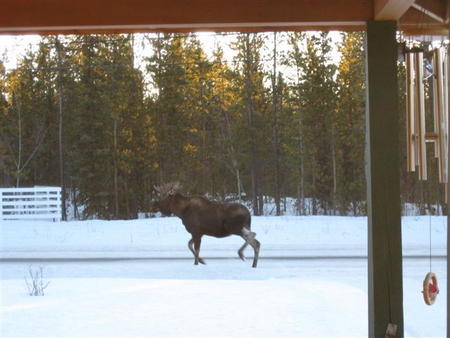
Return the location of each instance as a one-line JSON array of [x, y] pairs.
[[171, 192], [176, 186]]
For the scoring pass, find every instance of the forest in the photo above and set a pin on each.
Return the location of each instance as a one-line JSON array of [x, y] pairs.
[[280, 119]]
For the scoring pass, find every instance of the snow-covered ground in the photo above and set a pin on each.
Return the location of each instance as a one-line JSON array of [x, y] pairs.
[[137, 279]]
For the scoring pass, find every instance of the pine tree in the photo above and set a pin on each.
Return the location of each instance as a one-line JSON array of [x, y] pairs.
[[350, 121], [25, 120], [275, 127], [250, 110], [295, 59], [202, 134], [318, 106], [227, 152], [6, 163], [168, 117]]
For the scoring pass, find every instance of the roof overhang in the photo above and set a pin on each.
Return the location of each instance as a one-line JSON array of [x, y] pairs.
[[121, 16]]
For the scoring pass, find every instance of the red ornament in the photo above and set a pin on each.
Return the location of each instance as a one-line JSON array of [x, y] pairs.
[[430, 288]]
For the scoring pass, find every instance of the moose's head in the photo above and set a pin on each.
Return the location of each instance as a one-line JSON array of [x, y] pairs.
[[167, 192]]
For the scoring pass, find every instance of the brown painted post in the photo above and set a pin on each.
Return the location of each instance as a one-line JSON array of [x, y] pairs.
[[383, 180], [447, 187]]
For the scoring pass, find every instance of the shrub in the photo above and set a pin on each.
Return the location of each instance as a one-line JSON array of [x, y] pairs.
[[37, 285]]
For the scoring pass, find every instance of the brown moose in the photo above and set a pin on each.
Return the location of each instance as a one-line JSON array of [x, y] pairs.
[[203, 217]]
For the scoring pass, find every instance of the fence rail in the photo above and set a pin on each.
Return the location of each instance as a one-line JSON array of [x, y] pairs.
[[30, 203]]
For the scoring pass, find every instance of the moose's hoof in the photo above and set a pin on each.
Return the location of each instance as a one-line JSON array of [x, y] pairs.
[[201, 261]]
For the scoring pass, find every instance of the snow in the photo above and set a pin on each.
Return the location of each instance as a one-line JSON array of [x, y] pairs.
[[137, 279]]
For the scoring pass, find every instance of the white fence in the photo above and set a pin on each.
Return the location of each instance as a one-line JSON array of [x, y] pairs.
[[30, 203]]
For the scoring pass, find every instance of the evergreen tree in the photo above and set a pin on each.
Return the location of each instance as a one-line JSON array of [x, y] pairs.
[[168, 117], [107, 145], [318, 95], [230, 161], [6, 163], [76, 113], [202, 134], [250, 110], [349, 124], [296, 146], [25, 120]]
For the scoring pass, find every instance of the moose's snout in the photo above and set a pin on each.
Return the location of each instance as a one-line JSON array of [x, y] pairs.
[[154, 207]]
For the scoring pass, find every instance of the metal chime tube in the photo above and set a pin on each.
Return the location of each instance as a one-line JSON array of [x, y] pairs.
[[436, 115], [416, 128], [410, 115], [439, 112], [420, 117]]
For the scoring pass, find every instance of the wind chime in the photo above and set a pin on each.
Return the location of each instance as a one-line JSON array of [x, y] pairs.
[[418, 70]]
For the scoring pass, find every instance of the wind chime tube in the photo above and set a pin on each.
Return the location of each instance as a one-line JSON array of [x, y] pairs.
[[439, 112], [436, 115], [420, 117], [410, 139]]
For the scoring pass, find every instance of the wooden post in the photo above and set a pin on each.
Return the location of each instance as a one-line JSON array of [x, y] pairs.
[[383, 180], [447, 190]]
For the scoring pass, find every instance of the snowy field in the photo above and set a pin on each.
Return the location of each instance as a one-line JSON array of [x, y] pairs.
[[137, 279]]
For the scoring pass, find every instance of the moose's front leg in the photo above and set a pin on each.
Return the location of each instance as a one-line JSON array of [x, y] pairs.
[[197, 241], [191, 247]]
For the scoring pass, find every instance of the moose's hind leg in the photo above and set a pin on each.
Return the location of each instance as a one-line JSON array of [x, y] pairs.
[[249, 237], [191, 247], [241, 250], [255, 245]]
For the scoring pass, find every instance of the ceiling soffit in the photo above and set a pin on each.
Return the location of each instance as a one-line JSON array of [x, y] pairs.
[[121, 16]]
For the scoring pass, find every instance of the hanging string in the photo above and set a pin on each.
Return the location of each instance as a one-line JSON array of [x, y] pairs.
[[430, 241], [431, 210]]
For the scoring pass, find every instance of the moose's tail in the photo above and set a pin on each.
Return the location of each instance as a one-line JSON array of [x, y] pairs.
[[248, 224]]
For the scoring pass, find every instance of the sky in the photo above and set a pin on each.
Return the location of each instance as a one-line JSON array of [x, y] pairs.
[[16, 45]]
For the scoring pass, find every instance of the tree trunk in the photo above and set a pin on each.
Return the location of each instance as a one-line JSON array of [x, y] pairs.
[[300, 147], [225, 133], [116, 179], [61, 135], [248, 85], [274, 128], [18, 162], [333, 154], [314, 161]]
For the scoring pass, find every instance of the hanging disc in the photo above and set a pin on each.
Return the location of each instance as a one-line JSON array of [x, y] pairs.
[[430, 288]]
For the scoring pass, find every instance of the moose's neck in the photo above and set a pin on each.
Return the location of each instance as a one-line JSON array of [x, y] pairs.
[[180, 205]]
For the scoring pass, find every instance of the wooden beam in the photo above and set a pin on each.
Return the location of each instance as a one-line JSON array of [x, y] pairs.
[[127, 16], [432, 15], [93, 16], [439, 31], [383, 179], [437, 9], [390, 9], [429, 18]]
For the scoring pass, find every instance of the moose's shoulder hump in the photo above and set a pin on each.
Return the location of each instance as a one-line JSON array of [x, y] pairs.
[[199, 201]]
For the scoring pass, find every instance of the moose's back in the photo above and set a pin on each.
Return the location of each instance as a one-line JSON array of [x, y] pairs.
[[216, 219]]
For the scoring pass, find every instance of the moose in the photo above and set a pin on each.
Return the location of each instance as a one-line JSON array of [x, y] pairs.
[[203, 217]]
